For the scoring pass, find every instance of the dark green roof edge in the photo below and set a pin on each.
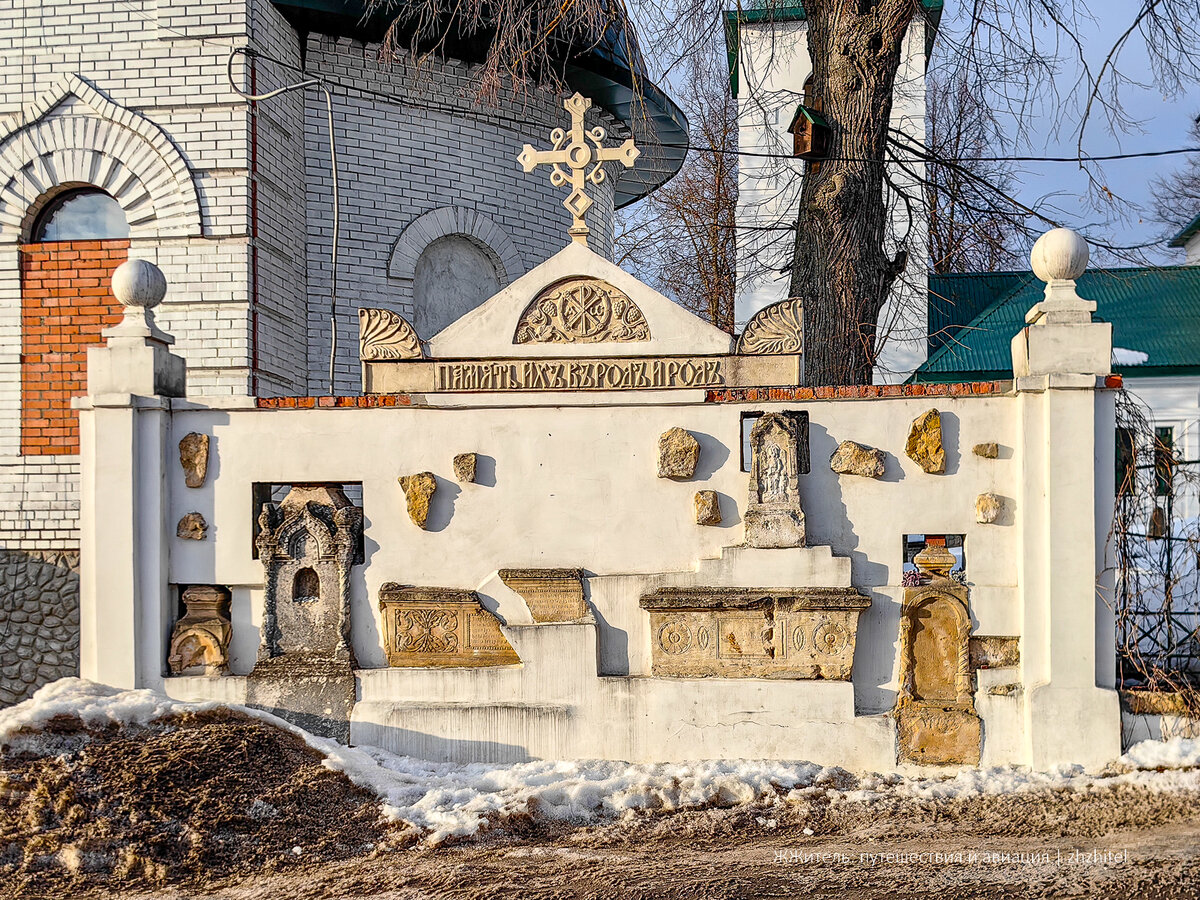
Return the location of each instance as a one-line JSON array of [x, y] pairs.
[[1189, 231], [736, 17]]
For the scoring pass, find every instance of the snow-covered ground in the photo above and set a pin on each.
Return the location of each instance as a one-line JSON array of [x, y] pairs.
[[443, 800]]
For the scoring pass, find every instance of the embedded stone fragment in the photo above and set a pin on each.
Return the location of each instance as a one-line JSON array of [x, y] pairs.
[[990, 450], [464, 468], [193, 456], [192, 527], [552, 595], [200, 640], [851, 458], [924, 445], [988, 508], [418, 491], [708, 508], [678, 453]]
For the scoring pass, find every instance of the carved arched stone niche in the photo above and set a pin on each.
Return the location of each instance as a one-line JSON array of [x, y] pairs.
[[774, 517], [305, 668], [581, 311], [935, 712]]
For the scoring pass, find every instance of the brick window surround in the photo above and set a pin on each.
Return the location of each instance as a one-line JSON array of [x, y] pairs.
[[66, 300]]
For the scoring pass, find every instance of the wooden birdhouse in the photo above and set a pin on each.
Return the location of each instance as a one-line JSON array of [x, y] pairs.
[[810, 134]]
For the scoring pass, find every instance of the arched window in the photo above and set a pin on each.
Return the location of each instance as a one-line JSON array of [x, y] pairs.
[[81, 214], [454, 274]]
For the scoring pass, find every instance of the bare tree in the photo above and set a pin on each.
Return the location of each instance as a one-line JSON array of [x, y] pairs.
[[969, 231], [683, 237], [1177, 196], [845, 259]]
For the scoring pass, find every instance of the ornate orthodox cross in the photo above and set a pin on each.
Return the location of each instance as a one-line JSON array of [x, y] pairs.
[[586, 163]]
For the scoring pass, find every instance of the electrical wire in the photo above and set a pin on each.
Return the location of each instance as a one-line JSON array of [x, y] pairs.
[[317, 84]]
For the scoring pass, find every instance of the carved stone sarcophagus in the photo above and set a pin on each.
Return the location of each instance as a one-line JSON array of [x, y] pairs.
[[434, 627], [754, 633]]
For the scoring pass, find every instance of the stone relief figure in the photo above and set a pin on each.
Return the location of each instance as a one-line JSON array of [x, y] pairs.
[[305, 669], [773, 517]]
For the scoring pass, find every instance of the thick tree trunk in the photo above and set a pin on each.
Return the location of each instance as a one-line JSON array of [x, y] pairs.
[[841, 270]]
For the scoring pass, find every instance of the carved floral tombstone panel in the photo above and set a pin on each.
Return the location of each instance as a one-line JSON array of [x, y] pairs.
[[750, 633], [581, 311], [774, 517], [437, 627], [935, 711]]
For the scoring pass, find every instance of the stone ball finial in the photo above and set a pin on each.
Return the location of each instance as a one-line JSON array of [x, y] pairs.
[[1059, 255], [139, 282]]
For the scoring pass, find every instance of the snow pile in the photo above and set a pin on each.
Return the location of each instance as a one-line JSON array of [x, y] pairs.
[[444, 800]]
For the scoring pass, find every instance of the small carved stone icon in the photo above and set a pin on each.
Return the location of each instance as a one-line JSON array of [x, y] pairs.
[[464, 468], [418, 492], [193, 456], [192, 527], [200, 640], [774, 517]]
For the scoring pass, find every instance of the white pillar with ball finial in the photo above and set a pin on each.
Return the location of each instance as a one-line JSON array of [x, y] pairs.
[[124, 428], [1067, 428]]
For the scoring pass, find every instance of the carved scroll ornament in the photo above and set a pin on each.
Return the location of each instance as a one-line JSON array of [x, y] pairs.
[[774, 331], [382, 334], [581, 311]]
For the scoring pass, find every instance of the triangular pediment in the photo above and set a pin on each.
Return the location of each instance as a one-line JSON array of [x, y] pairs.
[[578, 304]]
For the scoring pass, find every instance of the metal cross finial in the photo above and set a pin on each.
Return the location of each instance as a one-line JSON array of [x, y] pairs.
[[586, 163]]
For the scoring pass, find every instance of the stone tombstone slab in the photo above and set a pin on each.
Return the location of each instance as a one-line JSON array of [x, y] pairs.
[[305, 668], [774, 518], [935, 710], [552, 595], [200, 640], [193, 457], [803, 633], [440, 627]]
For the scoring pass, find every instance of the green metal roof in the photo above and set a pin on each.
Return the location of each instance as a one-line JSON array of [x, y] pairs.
[[1189, 231], [1155, 311], [612, 74], [758, 11], [956, 299]]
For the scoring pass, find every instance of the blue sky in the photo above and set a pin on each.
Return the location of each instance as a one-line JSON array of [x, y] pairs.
[[1165, 122]]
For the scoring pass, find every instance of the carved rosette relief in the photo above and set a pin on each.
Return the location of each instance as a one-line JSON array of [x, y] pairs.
[[581, 311], [776, 330], [382, 334], [745, 633], [935, 710], [438, 627]]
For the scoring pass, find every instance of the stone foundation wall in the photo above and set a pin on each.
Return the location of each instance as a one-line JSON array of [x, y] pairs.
[[39, 620]]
